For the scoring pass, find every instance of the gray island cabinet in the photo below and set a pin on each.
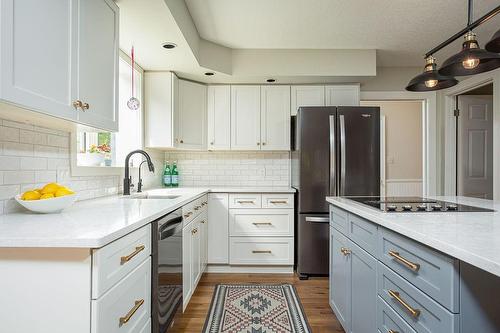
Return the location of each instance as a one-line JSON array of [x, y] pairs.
[[382, 281]]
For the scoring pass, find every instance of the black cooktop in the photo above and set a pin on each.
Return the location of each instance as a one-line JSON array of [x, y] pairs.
[[415, 205]]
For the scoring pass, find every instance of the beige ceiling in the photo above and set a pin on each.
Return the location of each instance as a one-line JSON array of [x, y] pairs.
[[400, 30]]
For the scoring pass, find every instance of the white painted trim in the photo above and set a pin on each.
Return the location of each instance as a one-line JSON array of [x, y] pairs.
[[431, 164], [211, 268], [448, 104]]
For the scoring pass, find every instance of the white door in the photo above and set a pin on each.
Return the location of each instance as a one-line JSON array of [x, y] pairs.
[[275, 118], [219, 117], [245, 117], [195, 253], [191, 115], [218, 228], [306, 96], [187, 273], [38, 55], [342, 95], [98, 63], [475, 146]]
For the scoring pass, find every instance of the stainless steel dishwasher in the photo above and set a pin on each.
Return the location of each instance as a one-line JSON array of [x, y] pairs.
[[166, 274]]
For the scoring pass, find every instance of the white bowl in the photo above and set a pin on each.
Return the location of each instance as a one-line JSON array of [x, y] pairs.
[[52, 205]]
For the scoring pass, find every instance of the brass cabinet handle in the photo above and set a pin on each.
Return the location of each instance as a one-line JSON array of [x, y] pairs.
[[263, 143], [125, 259], [194, 231], [77, 104], [345, 251], [258, 143], [413, 312], [212, 143], [411, 265], [261, 251], [138, 304], [188, 214], [182, 141], [203, 221], [245, 201], [392, 331], [85, 106], [197, 207], [278, 201], [262, 223]]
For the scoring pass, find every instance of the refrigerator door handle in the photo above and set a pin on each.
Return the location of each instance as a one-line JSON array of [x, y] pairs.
[[315, 219], [342, 155], [333, 166]]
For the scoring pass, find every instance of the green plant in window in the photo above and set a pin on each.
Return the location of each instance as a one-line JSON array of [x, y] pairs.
[[104, 138]]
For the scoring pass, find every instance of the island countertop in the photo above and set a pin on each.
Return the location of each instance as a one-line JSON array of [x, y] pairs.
[[472, 237]]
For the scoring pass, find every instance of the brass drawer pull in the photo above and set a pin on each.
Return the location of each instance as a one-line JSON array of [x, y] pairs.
[[197, 207], [125, 259], [138, 304], [203, 221], [262, 251], [392, 331], [188, 214], [194, 231], [245, 201], [345, 251], [279, 202], [413, 312], [411, 265], [262, 223]]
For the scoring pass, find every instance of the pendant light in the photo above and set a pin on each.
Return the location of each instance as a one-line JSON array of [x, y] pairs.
[[430, 79], [471, 60], [494, 44], [133, 103]]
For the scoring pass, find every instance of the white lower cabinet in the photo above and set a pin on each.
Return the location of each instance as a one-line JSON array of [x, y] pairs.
[[218, 228]]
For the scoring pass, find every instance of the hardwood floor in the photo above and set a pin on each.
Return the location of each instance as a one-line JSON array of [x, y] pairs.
[[313, 295]]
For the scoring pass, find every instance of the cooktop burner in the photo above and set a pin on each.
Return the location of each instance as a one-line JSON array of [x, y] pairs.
[[415, 204]]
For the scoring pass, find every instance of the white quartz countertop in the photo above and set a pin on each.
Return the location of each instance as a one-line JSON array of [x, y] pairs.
[[472, 237], [95, 223]]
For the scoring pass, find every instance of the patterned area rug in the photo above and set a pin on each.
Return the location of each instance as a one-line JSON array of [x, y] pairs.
[[256, 309]]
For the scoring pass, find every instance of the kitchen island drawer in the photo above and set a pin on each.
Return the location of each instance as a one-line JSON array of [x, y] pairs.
[[112, 262], [277, 200], [389, 321], [261, 251], [363, 233], [432, 272], [245, 200], [125, 308], [261, 222], [420, 311], [339, 219]]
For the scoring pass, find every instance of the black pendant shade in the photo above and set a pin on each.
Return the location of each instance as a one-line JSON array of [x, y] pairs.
[[494, 44], [430, 79], [471, 60]]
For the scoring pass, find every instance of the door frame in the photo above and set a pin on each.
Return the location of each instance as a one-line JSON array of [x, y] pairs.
[[430, 162], [450, 144]]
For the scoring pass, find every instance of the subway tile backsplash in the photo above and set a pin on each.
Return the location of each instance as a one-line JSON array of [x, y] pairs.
[[256, 169]]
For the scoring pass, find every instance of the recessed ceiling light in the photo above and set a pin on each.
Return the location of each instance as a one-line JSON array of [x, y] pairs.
[[209, 73], [270, 80], [169, 45]]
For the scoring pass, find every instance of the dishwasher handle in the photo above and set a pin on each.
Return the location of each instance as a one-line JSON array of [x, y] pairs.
[[316, 219], [170, 227]]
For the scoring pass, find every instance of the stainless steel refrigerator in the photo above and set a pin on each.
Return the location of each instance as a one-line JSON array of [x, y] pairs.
[[335, 152]]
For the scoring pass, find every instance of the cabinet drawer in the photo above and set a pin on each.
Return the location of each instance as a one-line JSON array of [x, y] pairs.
[[402, 297], [126, 307], [432, 272], [261, 251], [338, 219], [389, 321], [112, 262], [188, 212], [276, 200], [363, 233], [261, 222], [245, 200]]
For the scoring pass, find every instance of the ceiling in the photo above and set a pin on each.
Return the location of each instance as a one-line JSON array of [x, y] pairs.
[[400, 31]]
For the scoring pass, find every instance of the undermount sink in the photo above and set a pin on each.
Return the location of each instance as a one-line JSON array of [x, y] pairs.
[[151, 196]]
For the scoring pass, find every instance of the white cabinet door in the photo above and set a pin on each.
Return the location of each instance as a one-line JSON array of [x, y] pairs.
[[275, 118], [190, 116], [342, 95], [195, 253], [307, 96], [159, 90], [98, 63], [218, 228], [245, 117], [203, 241], [219, 117], [38, 63], [187, 286]]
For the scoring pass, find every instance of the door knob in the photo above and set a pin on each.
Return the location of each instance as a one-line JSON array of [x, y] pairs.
[[77, 104], [85, 106]]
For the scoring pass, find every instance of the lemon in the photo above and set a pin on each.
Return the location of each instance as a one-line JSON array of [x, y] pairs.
[[50, 188], [63, 191], [30, 195], [46, 196]]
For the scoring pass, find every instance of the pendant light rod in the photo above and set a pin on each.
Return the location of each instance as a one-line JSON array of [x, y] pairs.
[[469, 27], [470, 12]]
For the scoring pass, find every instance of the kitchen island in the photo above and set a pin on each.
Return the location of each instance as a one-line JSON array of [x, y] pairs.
[[415, 272]]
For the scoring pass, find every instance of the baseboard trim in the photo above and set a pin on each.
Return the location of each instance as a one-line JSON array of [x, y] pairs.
[[212, 268]]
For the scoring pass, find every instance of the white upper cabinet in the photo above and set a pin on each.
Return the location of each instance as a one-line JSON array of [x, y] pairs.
[[307, 96], [342, 95], [219, 117], [160, 91], [245, 117], [38, 68], [275, 118], [190, 116], [55, 53], [98, 63]]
